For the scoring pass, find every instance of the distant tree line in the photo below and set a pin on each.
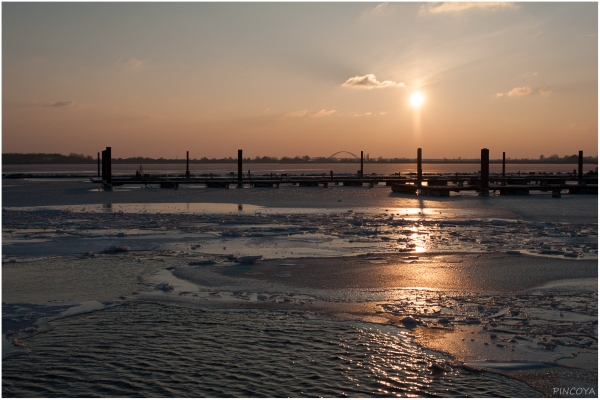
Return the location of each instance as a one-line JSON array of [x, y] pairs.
[[45, 158], [73, 158]]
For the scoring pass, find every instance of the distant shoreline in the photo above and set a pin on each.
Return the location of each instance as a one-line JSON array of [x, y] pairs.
[[55, 158], [51, 159]]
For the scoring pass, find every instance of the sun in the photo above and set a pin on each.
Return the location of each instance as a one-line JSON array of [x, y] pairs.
[[417, 99]]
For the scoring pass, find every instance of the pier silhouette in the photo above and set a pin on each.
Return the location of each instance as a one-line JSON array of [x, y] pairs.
[[420, 183]]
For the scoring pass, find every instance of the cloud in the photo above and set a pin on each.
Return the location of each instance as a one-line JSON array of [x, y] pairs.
[[369, 81], [131, 63], [365, 114], [62, 103], [520, 91], [525, 91], [452, 7], [577, 127], [323, 113], [381, 6], [37, 103], [377, 10], [294, 114]]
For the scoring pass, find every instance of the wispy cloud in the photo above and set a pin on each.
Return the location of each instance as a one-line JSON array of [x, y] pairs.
[[323, 113], [37, 103], [377, 10], [577, 127], [525, 91], [455, 7], [61, 103], [518, 91], [381, 6], [369, 81], [295, 114], [368, 114], [131, 63]]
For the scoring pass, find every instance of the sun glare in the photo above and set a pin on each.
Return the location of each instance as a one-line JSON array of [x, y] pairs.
[[416, 99]]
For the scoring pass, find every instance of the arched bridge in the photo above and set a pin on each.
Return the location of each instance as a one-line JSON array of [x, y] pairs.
[[343, 151]]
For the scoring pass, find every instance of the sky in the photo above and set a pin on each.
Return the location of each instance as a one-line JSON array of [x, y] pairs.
[[295, 79]]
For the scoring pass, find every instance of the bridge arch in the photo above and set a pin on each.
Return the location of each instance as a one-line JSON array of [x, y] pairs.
[[344, 151]]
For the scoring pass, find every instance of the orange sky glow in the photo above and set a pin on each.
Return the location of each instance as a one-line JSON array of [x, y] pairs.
[[288, 79]]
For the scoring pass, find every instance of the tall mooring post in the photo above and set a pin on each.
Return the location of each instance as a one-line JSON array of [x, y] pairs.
[[106, 169], [361, 164], [485, 173], [419, 166], [580, 170], [109, 165], [240, 169], [503, 168], [103, 165], [98, 164], [187, 164]]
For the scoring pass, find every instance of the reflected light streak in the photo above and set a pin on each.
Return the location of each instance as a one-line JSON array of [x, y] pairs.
[[417, 121], [413, 210]]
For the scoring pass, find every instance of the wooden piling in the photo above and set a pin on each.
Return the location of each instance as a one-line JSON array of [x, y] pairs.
[[108, 166], [331, 175], [187, 164], [361, 164], [106, 169], [98, 164], [419, 166], [503, 164], [485, 173], [103, 165], [239, 168], [580, 171]]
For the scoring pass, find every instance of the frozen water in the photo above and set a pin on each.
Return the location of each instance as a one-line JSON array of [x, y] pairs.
[[467, 268]]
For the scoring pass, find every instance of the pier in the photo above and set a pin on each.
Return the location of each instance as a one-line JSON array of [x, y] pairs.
[[422, 184], [513, 184]]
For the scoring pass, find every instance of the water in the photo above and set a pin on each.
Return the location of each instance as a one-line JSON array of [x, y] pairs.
[[153, 350], [259, 168], [277, 232], [164, 344]]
